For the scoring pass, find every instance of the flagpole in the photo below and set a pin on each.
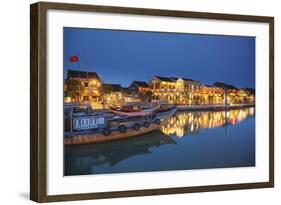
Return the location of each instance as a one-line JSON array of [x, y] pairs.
[[79, 79], [85, 63]]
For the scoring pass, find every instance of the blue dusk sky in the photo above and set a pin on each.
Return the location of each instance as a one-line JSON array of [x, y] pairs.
[[123, 56]]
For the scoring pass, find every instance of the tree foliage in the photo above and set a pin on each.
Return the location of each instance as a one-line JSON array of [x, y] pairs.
[[74, 88], [146, 96], [106, 89]]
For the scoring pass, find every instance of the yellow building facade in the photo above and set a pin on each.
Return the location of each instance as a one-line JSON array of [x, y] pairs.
[[175, 90], [90, 89], [183, 91], [210, 94]]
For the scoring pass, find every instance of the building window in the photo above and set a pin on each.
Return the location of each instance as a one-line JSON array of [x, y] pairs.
[[157, 85], [86, 84]]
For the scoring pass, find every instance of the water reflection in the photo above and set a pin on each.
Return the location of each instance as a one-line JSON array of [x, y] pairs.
[[184, 123], [163, 150], [81, 159]]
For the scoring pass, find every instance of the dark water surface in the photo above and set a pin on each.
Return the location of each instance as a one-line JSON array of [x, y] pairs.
[[189, 140]]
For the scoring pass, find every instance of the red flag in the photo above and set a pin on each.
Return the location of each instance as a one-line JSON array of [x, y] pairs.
[[74, 59]]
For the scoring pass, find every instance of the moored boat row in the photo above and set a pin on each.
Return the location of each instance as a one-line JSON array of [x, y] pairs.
[[115, 123], [85, 125]]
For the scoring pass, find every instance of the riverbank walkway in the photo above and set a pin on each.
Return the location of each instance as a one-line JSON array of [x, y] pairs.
[[213, 107]]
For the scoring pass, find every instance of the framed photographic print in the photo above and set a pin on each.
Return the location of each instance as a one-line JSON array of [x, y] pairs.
[[134, 102]]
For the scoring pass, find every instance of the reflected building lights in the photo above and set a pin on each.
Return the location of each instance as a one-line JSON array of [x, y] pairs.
[[184, 123]]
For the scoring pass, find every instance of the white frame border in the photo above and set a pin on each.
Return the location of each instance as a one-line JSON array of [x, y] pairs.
[[57, 184]]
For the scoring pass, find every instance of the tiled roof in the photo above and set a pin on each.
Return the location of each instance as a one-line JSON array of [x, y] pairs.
[[250, 90], [113, 87], [166, 79], [225, 86], [82, 74], [209, 86], [185, 79], [141, 84]]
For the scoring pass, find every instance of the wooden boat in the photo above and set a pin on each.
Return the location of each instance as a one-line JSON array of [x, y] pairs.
[[134, 109], [117, 127], [85, 138], [132, 113]]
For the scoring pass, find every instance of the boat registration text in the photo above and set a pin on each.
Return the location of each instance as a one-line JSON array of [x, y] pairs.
[[86, 123]]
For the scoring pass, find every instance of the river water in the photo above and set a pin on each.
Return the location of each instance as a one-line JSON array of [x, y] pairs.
[[188, 140]]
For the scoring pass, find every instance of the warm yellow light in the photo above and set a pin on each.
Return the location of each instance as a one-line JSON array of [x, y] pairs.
[[67, 99]]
